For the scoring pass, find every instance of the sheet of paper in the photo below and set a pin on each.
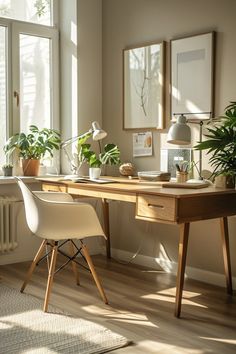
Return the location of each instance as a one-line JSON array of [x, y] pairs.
[[142, 144]]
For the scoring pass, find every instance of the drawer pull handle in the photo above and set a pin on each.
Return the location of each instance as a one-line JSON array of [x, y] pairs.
[[155, 206]]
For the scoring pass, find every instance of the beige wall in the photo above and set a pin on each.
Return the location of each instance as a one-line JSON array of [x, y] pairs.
[[135, 22]]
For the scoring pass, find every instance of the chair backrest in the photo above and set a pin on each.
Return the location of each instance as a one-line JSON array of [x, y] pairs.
[[61, 218], [31, 208]]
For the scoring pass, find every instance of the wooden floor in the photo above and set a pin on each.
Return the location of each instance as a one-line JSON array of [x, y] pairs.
[[141, 306]]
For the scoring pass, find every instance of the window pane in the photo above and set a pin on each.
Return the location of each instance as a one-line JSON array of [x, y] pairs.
[[37, 11], [35, 100], [3, 85]]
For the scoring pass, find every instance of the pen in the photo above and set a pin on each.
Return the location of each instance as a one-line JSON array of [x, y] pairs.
[[177, 167]]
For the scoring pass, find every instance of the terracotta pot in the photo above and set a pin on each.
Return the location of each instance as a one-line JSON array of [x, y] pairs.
[[30, 167]]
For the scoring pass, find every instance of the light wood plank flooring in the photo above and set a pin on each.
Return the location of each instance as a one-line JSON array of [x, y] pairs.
[[141, 307]]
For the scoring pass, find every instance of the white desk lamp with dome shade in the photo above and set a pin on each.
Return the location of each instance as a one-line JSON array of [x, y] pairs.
[[180, 134], [96, 132]]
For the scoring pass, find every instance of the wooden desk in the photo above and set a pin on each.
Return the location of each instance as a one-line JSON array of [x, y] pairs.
[[162, 205]]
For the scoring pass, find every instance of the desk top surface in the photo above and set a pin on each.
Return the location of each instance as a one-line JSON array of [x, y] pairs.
[[134, 186]]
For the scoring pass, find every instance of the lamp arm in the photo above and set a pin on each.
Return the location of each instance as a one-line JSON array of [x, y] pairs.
[[200, 151], [72, 140], [94, 131], [73, 166], [194, 164]]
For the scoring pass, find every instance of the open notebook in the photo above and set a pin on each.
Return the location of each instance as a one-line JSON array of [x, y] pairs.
[[88, 180]]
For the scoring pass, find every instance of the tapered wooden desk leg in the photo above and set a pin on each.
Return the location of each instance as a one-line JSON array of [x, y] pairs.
[[183, 244], [105, 208], [94, 273], [226, 253]]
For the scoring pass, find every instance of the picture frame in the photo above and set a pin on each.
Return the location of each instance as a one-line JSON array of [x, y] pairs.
[[192, 76], [143, 87], [142, 144]]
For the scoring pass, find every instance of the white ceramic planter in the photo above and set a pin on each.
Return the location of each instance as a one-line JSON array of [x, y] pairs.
[[94, 172]]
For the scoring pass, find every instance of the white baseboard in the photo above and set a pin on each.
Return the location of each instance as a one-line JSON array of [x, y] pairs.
[[171, 267]]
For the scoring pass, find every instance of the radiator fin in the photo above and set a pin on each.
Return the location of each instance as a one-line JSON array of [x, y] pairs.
[[9, 210]]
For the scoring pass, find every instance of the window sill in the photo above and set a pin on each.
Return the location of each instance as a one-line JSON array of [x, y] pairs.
[[9, 180]]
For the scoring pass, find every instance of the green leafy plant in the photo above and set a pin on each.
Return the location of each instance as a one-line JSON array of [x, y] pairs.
[[109, 156], [221, 143], [7, 170], [7, 165], [35, 144]]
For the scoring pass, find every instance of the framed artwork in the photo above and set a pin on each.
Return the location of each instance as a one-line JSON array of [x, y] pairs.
[[143, 87], [192, 68]]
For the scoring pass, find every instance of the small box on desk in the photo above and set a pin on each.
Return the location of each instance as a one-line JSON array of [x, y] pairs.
[[154, 176]]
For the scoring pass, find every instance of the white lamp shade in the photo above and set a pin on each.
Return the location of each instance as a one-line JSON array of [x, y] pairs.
[[98, 132], [179, 133]]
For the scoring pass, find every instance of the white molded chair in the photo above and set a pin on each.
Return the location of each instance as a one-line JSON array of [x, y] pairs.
[[54, 217]]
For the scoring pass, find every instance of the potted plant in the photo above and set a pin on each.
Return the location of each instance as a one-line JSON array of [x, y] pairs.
[[109, 156], [7, 170], [221, 143], [32, 147]]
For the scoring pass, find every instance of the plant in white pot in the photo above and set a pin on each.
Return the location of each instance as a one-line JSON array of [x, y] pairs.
[[32, 147], [109, 156]]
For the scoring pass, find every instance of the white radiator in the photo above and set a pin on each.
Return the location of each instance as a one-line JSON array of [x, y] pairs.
[[9, 210]]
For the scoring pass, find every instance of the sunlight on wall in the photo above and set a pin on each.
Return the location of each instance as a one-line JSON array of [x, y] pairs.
[[73, 29], [163, 260], [74, 96], [74, 86], [175, 93]]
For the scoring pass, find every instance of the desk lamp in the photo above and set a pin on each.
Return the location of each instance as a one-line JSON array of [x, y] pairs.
[[180, 134], [96, 132]]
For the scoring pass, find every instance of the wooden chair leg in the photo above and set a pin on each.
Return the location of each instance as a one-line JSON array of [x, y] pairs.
[[94, 274], [33, 264], [50, 276], [72, 251], [48, 251]]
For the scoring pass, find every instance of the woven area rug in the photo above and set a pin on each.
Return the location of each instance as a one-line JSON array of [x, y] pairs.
[[25, 328]]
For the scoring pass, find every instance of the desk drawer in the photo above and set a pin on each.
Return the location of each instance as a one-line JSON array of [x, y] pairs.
[[53, 187], [154, 208]]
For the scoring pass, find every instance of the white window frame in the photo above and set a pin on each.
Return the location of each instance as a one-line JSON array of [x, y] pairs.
[[45, 32], [5, 23], [14, 29]]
